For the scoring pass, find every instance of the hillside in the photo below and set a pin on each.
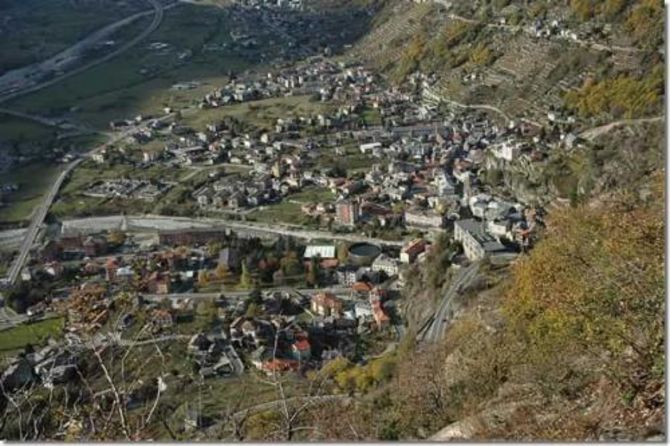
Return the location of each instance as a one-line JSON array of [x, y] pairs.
[[567, 344]]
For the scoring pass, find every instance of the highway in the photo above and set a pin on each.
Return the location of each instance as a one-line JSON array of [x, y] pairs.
[[434, 331], [38, 217], [158, 11]]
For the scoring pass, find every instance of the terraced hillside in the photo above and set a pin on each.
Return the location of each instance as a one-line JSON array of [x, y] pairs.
[[485, 60]]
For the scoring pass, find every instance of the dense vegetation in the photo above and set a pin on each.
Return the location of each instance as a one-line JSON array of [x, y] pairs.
[[620, 96]]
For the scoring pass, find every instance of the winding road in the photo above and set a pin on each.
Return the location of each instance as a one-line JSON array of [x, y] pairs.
[[48, 66], [595, 132]]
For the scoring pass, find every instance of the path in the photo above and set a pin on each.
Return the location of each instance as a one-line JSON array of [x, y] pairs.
[[595, 132]]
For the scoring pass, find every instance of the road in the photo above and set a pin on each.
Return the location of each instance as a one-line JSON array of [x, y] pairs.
[[35, 224], [442, 317], [595, 132], [429, 94], [71, 52], [40, 213], [148, 222]]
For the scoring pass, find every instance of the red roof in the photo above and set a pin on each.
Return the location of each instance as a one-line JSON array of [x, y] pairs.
[[361, 287], [280, 365], [302, 345]]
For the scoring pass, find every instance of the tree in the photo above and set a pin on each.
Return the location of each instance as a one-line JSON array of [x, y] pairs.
[[116, 238], [246, 281], [253, 310], [203, 278], [222, 273], [342, 252], [213, 248], [313, 272]]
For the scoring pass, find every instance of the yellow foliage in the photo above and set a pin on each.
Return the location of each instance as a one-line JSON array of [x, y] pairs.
[[596, 283], [481, 55], [622, 95], [646, 22]]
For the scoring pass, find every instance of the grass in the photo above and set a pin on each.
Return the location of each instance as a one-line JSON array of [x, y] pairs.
[[313, 195], [16, 338], [285, 212], [33, 181], [263, 113], [18, 130]]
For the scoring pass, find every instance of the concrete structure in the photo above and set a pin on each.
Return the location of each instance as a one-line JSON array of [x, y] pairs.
[[363, 254], [477, 243]]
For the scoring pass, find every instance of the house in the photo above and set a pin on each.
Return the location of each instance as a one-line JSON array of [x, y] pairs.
[[423, 219], [381, 318], [162, 319], [346, 275], [199, 342], [346, 212], [159, 283], [411, 250], [94, 246], [321, 251], [386, 264], [477, 242], [327, 304], [111, 268], [230, 259], [301, 350]]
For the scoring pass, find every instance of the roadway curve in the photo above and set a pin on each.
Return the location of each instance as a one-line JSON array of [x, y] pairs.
[[595, 132], [158, 10]]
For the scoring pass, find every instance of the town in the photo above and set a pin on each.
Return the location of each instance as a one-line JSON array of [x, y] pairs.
[[270, 228]]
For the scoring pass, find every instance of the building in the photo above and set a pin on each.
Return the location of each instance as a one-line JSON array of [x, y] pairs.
[[386, 264], [230, 259], [320, 251], [301, 350], [327, 304], [347, 212], [411, 250], [423, 219], [477, 243], [347, 275]]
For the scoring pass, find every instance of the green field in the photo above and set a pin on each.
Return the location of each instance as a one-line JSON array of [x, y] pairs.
[[33, 182], [16, 338], [313, 195], [263, 113], [18, 131]]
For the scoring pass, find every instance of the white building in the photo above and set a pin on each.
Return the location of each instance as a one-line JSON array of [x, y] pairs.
[[477, 243], [386, 264]]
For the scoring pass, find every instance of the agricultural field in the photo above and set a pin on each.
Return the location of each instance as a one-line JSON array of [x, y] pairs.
[[263, 113]]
